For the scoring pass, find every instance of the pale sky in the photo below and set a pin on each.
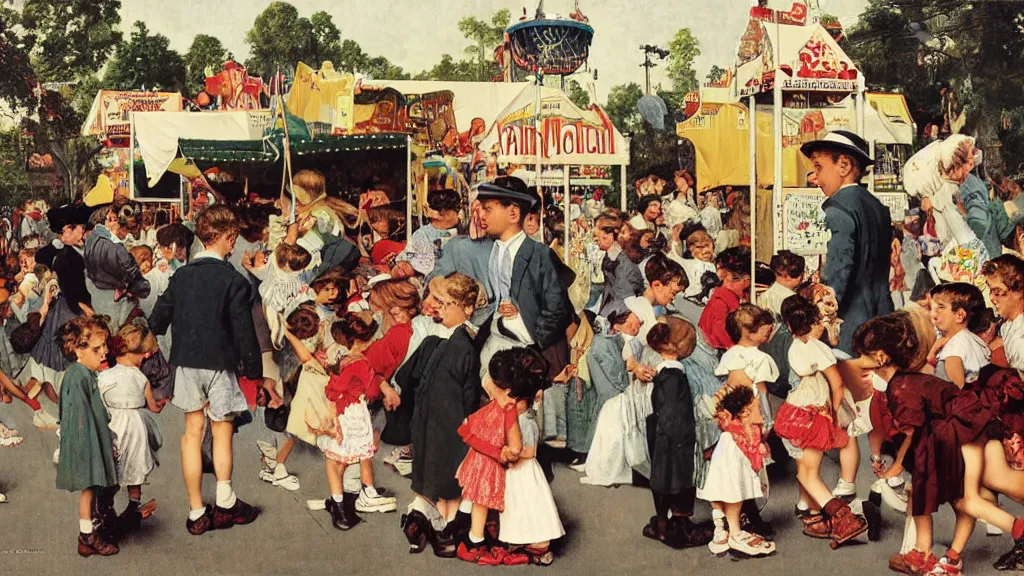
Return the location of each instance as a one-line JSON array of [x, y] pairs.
[[414, 35]]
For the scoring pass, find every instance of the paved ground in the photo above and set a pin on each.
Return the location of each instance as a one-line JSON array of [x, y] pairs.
[[39, 526]]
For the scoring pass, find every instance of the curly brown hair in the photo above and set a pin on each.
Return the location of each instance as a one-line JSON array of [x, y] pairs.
[[894, 335], [76, 333], [673, 336]]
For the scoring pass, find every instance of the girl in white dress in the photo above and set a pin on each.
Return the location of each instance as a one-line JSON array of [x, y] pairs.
[[745, 364], [129, 399], [736, 473], [530, 517]]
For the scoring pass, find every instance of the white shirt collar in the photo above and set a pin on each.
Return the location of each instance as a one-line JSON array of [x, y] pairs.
[[666, 364], [208, 254], [513, 244]]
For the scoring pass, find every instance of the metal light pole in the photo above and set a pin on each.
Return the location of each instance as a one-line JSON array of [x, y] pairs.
[[647, 65]]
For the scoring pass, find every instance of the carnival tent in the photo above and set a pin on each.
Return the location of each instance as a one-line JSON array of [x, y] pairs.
[[484, 100], [569, 136], [111, 111]]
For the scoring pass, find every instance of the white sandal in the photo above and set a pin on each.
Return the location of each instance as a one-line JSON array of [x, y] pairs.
[[749, 544]]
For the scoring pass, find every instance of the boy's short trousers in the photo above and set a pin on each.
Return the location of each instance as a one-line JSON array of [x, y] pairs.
[[214, 391]]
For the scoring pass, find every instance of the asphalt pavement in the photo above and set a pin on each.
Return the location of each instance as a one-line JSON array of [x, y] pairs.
[[38, 526]]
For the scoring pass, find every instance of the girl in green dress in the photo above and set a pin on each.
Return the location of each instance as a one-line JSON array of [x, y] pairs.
[[86, 447]]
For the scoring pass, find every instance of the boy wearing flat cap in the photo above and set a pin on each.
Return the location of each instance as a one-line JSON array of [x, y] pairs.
[[857, 264]]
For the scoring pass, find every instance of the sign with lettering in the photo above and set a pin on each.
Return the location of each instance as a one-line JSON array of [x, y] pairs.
[[805, 231], [896, 202], [110, 116]]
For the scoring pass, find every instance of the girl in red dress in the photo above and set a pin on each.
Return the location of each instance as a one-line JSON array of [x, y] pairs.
[[493, 436], [951, 445]]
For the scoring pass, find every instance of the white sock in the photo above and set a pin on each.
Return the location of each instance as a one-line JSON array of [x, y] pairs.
[[196, 513], [466, 506], [225, 495], [85, 526], [909, 536], [803, 506], [338, 497], [474, 540], [280, 471]]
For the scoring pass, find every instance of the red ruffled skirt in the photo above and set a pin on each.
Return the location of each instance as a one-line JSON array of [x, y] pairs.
[[808, 428], [482, 480]]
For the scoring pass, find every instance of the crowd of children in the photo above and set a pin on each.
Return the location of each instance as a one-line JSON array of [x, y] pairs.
[[466, 355]]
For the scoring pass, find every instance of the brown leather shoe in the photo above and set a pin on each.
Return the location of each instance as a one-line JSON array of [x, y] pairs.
[[821, 528], [239, 514], [202, 525], [844, 524], [89, 544]]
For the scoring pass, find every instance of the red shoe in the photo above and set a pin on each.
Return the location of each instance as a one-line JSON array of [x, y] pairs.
[[913, 563], [471, 552]]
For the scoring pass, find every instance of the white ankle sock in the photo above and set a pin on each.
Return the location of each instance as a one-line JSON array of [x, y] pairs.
[[909, 536], [85, 526], [338, 497], [803, 506], [474, 540], [196, 513], [225, 495]]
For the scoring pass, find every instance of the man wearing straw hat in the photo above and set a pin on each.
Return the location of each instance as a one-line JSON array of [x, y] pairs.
[[857, 264]]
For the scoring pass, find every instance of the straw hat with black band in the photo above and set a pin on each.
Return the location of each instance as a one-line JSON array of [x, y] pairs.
[[843, 142]]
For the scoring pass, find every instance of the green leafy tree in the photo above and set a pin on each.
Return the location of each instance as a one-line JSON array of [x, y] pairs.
[[448, 70], [70, 38], [278, 40], [578, 94], [14, 185], [205, 52], [145, 61], [621, 107], [650, 150], [486, 37], [716, 73], [683, 50]]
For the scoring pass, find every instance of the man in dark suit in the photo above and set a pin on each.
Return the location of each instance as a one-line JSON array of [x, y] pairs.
[[857, 264]]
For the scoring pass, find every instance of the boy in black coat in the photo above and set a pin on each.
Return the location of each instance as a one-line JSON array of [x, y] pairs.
[[208, 303]]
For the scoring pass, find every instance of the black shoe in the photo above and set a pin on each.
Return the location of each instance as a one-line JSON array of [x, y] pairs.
[[348, 506], [417, 530], [751, 521], [1012, 560], [461, 523], [444, 542], [130, 519], [338, 517], [875, 498], [873, 514]]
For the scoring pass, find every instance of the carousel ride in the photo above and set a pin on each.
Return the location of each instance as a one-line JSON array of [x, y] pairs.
[[551, 45]]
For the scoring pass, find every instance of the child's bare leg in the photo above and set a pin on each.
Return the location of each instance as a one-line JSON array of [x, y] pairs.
[[805, 497], [51, 393], [974, 504], [334, 471], [135, 493], [849, 461], [963, 529], [223, 436], [85, 505], [285, 449], [997, 475], [732, 516], [366, 471], [924, 533], [808, 468], [448, 508], [478, 521], [192, 457]]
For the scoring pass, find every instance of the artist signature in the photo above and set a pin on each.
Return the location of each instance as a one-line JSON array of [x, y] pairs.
[[22, 551]]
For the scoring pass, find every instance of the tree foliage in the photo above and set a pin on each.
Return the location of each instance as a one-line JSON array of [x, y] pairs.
[[448, 70], [69, 38], [683, 50], [145, 61], [716, 73], [579, 96], [279, 39], [918, 46], [205, 52], [486, 37]]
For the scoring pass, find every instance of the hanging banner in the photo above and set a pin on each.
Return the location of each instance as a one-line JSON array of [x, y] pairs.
[[805, 230], [110, 115]]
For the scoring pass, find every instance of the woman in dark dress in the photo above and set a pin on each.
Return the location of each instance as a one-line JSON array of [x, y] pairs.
[[448, 391], [671, 438], [622, 277], [952, 445], [112, 276]]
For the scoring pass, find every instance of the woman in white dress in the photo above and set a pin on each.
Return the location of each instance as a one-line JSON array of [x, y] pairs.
[[129, 399]]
